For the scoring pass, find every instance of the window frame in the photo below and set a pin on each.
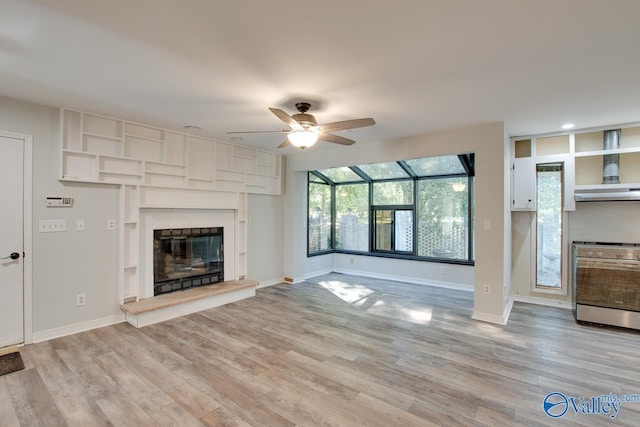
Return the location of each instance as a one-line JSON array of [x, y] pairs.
[[468, 162], [335, 215], [562, 289], [373, 229], [470, 213], [332, 232]]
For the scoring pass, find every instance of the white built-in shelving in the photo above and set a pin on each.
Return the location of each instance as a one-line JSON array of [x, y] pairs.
[[161, 168], [100, 149]]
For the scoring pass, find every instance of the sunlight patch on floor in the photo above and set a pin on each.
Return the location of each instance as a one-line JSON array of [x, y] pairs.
[[379, 304], [345, 291], [393, 309], [422, 316]]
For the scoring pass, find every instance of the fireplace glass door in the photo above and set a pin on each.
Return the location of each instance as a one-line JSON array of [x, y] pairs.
[[186, 258]]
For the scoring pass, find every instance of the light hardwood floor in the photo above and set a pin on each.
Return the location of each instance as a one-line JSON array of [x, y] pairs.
[[336, 350]]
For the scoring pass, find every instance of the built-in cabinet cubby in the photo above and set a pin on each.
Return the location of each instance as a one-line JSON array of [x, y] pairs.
[[161, 168], [583, 154], [241, 236], [101, 149], [590, 155], [129, 240]]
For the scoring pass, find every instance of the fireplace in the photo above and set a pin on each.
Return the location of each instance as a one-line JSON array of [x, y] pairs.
[[184, 258]]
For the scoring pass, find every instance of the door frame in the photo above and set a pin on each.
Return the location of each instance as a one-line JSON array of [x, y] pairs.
[[27, 226]]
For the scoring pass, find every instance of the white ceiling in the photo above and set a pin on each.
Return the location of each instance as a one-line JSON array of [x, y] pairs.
[[416, 66]]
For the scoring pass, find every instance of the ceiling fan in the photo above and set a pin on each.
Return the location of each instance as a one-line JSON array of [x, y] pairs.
[[305, 131]]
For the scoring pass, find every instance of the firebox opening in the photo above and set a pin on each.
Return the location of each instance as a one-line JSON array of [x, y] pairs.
[[187, 257]]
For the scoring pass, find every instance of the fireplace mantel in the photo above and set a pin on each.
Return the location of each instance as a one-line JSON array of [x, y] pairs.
[[145, 209]]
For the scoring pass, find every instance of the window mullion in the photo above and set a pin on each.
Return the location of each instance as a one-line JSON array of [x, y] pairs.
[[470, 215], [333, 217], [415, 217]]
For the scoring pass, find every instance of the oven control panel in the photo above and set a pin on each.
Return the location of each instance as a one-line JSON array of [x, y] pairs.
[[631, 253]]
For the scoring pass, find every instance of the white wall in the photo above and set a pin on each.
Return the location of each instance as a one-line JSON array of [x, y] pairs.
[[73, 262], [617, 222], [506, 265], [486, 141], [428, 273], [593, 221], [265, 238]]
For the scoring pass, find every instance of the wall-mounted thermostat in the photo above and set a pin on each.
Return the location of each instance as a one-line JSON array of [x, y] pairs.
[[59, 202]]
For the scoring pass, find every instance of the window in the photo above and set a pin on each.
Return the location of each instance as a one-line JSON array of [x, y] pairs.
[[435, 166], [386, 170], [341, 175], [393, 230], [549, 226], [352, 217], [393, 193], [414, 209], [319, 220], [443, 218]]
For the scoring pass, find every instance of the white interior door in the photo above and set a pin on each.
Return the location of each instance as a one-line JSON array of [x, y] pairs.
[[11, 242]]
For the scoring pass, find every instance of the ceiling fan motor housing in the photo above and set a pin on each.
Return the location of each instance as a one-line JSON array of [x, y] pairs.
[[303, 107], [305, 120]]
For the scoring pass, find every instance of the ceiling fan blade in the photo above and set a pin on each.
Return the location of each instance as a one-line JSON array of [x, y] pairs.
[[336, 139], [260, 131], [284, 144], [347, 124], [290, 121]]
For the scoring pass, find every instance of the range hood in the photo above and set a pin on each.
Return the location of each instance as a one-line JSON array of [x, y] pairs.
[[611, 189], [613, 194]]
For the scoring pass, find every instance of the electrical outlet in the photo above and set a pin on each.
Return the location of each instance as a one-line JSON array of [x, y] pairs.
[[80, 225], [442, 269], [52, 225], [351, 260], [111, 224], [487, 289], [80, 299], [248, 221]]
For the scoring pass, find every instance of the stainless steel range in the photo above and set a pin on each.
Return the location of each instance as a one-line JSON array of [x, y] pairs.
[[606, 283]]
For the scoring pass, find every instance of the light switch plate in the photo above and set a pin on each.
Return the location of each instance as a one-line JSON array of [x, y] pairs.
[[52, 225]]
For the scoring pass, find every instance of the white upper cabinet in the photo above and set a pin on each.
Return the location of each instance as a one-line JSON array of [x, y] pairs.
[[523, 177], [523, 184]]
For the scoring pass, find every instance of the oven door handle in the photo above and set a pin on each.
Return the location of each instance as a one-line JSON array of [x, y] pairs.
[[608, 264]]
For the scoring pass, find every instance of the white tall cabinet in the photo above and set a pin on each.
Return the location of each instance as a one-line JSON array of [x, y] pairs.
[[146, 160]]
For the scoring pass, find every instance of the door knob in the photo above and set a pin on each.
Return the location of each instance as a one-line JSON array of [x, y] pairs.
[[14, 255]]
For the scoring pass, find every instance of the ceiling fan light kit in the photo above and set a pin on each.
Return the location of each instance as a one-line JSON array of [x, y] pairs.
[[303, 138], [305, 130]]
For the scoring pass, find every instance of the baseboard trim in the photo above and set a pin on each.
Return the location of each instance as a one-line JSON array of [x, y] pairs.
[[489, 318], [305, 276], [542, 301], [507, 311], [75, 328], [317, 273], [408, 279], [265, 283]]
